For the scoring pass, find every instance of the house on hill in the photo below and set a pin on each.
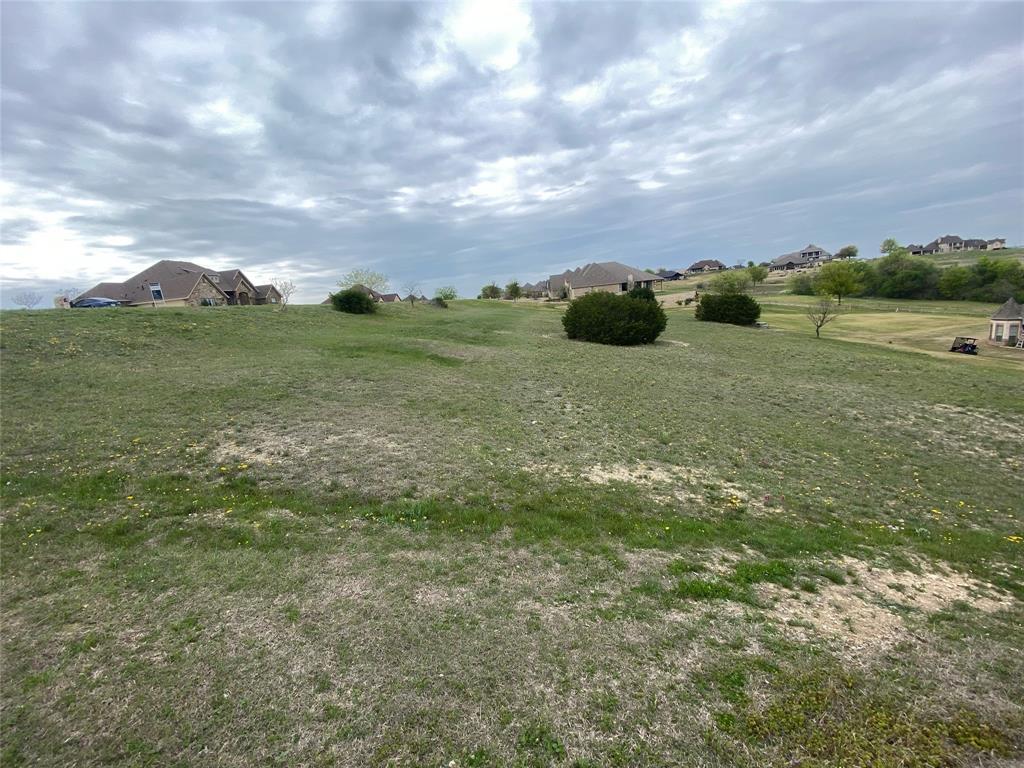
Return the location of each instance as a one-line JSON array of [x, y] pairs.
[[810, 256], [607, 276], [182, 284], [1006, 326], [705, 265], [671, 274]]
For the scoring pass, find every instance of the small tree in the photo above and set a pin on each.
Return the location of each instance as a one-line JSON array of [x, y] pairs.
[[757, 273], [732, 283], [446, 293], [490, 291], [286, 288], [378, 281], [889, 246], [409, 288], [837, 278], [27, 299], [514, 291], [847, 252], [821, 313], [642, 292]]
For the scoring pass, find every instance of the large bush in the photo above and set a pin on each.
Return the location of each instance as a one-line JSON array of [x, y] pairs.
[[642, 292], [610, 319], [737, 308], [802, 285], [354, 302]]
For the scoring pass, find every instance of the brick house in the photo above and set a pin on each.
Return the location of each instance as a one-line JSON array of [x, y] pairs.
[[184, 284], [607, 276]]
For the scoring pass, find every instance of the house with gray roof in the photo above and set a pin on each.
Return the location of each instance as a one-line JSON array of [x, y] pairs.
[[810, 256], [607, 276], [705, 265], [1006, 326], [183, 283]]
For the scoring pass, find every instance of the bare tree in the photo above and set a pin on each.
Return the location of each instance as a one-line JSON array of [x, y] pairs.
[[821, 313], [409, 288], [27, 299], [286, 288]]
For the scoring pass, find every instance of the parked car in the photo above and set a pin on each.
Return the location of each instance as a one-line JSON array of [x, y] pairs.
[[94, 301]]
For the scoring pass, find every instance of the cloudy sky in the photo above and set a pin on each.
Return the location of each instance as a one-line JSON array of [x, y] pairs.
[[458, 144]]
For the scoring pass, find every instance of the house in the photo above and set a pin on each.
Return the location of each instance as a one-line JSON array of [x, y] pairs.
[[950, 243], [671, 274], [414, 298], [996, 245], [1007, 324], [705, 265], [810, 256], [181, 284], [954, 243], [608, 276], [389, 297], [538, 290]]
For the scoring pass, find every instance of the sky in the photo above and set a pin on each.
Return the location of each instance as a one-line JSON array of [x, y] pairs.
[[463, 143]]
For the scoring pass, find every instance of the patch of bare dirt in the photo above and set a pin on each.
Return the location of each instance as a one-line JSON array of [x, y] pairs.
[[867, 614]]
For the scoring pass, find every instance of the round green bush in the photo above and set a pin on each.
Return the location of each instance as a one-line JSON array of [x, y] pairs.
[[642, 292], [738, 309], [610, 319], [354, 302]]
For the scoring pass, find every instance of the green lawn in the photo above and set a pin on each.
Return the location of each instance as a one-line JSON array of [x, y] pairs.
[[239, 536]]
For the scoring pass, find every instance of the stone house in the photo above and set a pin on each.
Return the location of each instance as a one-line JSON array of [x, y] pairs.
[[1006, 326], [184, 284], [607, 276], [705, 265]]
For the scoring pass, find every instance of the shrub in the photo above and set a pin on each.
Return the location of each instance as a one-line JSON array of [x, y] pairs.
[[437, 301], [738, 309], [731, 283], [446, 293], [354, 302], [802, 285], [643, 293], [609, 319]]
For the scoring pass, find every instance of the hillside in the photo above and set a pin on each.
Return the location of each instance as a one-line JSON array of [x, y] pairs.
[[453, 537]]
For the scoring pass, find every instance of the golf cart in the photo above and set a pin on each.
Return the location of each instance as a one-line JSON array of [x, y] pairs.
[[965, 344]]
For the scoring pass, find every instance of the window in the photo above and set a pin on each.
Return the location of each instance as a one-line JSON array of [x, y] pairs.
[[156, 292], [273, 300], [999, 331], [206, 301]]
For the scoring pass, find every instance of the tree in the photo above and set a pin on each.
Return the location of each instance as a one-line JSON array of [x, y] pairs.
[[888, 246], [27, 299], [446, 293], [409, 288], [490, 291], [954, 281], [513, 291], [821, 313], [757, 273], [378, 281], [837, 278], [286, 288], [731, 283], [848, 252]]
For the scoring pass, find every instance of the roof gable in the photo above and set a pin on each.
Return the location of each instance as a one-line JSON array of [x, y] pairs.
[[1010, 310]]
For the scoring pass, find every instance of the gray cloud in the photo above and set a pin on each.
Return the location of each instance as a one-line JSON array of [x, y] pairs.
[[453, 145]]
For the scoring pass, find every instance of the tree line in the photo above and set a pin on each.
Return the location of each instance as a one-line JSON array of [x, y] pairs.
[[898, 275]]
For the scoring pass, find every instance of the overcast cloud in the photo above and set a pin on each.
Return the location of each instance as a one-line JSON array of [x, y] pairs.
[[458, 144]]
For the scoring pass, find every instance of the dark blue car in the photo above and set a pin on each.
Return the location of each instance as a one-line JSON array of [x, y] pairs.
[[94, 301]]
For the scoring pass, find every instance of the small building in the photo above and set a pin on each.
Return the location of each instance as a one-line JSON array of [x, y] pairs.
[[1006, 326], [996, 244], [705, 265], [607, 276], [671, 274], [388, 298]]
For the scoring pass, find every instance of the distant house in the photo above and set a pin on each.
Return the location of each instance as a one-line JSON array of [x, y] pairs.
[[183, 283], [389, 297], [810, 256], [414, 298], [955, 243], [608, 276], [671, 274], [997, 244], [705, 265], [538, 290], [1007, 324]]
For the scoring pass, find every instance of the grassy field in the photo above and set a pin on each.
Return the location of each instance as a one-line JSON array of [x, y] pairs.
[[236, 536]]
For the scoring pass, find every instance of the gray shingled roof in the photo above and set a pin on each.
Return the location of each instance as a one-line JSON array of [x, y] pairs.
[[1010, 310], [705, 263], [600, 273], [177, 280]]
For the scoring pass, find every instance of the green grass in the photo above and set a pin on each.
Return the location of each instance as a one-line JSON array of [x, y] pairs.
[[429, 536]]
